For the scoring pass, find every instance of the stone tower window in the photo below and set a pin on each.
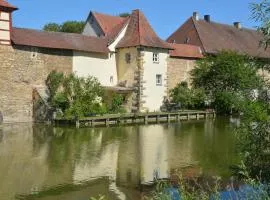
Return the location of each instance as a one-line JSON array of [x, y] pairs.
[[128, 58], [159, 80], [155, 58]]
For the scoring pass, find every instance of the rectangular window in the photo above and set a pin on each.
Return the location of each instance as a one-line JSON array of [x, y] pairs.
[[128, 58], [155, 58], [159, 79]]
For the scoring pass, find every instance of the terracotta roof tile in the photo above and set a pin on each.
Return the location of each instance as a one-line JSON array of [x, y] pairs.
[[7, 6], [107, 22], [140, 33], [116, 30], [54, 40], [185, 51], [214, 37]]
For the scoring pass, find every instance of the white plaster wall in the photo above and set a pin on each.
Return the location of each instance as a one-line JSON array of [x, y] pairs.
[[4, 35], [4, 25], [154, 153], [4, 15], [154, 94], [101, 66]]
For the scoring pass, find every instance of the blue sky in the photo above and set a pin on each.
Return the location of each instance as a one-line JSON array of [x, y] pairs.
[[165, 16]]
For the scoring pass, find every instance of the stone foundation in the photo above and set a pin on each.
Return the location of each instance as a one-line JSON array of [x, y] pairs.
[[22, 68]]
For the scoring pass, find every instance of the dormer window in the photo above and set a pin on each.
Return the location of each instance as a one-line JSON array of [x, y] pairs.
[[155, 58]]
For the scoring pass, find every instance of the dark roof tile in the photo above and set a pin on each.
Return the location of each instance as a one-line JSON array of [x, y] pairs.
[[55, 40]]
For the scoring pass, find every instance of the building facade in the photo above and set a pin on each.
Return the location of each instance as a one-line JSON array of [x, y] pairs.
[[124, 54]]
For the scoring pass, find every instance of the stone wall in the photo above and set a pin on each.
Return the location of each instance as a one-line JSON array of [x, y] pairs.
[[178, 70], [22, 68]]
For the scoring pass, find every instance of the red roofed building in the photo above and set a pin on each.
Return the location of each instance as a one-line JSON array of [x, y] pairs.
[[123, 53]]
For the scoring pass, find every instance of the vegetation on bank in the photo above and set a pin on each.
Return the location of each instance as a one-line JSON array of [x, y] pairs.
[[71, 96]]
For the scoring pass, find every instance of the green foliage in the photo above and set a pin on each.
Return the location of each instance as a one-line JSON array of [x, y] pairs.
[[125, 14], [227, 79], [193, 98], [75, 96], [117, 102], [254, 139], [72, 26], [67, 27], [261, 14], [54, 27], [100, 197]]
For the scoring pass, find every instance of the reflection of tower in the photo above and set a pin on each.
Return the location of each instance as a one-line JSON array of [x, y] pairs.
[[128, 173], [154, 155]]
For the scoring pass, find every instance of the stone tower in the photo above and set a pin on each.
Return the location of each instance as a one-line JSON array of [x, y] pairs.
[[6, 22]]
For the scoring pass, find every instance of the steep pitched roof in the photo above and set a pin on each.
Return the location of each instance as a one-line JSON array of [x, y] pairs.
[[185, 51], [6, 5], [140, 33], [214, 37], [54, 40], [107, 22]]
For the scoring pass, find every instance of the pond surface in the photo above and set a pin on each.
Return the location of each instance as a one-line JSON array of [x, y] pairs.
[[48, 163]]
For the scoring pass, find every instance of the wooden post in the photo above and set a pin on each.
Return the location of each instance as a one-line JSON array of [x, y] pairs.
[[197, 116], [77, 124], [168, 118], [93, 123], [188, 117], [107, 122], [157, 118], [178, 117], [146, 119]]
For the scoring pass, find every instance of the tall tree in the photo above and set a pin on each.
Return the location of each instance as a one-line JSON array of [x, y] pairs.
[[226, 78], [261, 14], [67, 27]]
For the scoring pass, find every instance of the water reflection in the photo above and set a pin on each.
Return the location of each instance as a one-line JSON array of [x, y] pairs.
[[43, 162]]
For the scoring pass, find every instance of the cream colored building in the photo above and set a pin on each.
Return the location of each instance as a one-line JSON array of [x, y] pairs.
[[124, 54]]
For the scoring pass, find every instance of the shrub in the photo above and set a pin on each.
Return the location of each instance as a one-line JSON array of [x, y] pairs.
[[188, 98]]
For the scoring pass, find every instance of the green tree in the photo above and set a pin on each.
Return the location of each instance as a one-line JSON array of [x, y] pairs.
[[53, 27], [67, 27], [227, 78], [188, 98], [125, 14], [261, 14]]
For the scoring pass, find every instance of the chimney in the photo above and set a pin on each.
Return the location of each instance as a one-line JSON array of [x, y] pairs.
[[196, 16], [237, 25], [207, 18], [5, 22]]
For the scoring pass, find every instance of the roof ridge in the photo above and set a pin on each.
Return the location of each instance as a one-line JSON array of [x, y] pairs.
[[109, 15], [139, 26], [229, 25], [59, 33], [196, 28]]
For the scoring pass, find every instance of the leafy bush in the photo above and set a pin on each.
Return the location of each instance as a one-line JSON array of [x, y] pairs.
[[75, 96], [193, 98], [116, 104]]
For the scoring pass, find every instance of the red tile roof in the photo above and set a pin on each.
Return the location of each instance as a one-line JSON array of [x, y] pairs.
[[116, 30], [140, 33], [6, 5], [54, 40], [107, 22], [214, 37], [185, 51]]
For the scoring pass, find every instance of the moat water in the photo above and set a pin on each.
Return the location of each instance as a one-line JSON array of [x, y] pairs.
[[53, 163]]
